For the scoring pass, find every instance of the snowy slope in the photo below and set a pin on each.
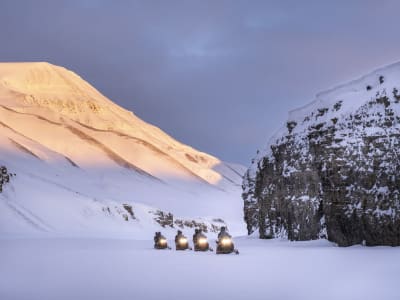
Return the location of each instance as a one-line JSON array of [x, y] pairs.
[[79, 158]]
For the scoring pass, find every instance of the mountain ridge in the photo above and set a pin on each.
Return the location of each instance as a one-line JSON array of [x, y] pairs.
[[58, 131]]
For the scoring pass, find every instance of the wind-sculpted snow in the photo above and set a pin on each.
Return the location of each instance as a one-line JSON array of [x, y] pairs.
[[76, 153], [333, 170], [112, 155], [22, 148]]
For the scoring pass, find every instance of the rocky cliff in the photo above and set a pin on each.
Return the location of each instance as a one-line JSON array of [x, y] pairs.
[[333, 170]]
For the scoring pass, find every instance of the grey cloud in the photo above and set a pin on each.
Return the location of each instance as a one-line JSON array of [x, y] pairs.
[[218, 75]]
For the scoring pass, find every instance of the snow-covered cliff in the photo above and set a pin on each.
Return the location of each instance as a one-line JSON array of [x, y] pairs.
[[333, 170]]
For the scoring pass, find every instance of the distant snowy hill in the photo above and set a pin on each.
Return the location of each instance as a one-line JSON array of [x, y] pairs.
[[333, 170], [84, 165]]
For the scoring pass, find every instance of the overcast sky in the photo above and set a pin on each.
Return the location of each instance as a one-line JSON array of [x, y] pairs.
[[217, 75]]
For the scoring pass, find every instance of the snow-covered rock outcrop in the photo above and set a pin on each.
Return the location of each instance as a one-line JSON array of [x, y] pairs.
[[76, 153], [333, 170], [4, 177]]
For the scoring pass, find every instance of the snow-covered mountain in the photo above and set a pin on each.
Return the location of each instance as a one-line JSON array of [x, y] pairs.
[[333, 170], [85, 165]]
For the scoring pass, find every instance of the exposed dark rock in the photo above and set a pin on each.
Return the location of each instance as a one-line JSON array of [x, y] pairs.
[[125, 211], [129, 209], [4, 177], [167, 220], [163, 218], [337, 105], [338, 180], [290, 126]]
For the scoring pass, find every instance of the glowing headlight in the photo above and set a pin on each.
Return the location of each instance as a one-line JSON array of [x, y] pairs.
[[183, 241], [226, 242], [162, 241], [202, 241]]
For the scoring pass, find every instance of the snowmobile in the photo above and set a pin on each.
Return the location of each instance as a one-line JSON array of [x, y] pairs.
[[160, 242], [225, 245], [181, 243], [201, 244]]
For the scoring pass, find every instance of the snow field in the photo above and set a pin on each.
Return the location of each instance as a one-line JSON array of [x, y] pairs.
[[62, 268]]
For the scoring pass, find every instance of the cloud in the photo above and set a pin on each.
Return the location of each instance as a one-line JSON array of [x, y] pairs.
[[219, 75]]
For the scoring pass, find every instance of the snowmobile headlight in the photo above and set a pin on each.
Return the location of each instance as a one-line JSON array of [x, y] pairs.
[[202, 241], [226, 242], [183, 241], [162, 241]]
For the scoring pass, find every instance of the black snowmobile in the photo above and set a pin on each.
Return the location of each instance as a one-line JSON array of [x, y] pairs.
[[225, 244], [181, 242], [160, 242], [200, 242]]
